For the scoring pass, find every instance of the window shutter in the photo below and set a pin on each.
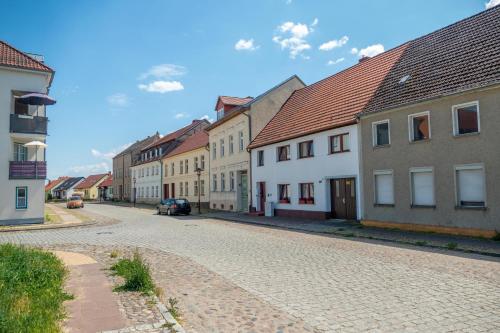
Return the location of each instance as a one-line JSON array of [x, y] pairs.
[[423, 188], [384, 189], [471, 185]]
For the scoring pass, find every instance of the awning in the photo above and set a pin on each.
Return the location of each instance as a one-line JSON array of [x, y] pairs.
[[36, 99]]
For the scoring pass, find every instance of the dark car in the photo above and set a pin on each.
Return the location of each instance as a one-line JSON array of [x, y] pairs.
[[174, 206]]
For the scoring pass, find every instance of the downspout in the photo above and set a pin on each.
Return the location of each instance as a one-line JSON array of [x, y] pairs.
[[161, 179], [249, 161]]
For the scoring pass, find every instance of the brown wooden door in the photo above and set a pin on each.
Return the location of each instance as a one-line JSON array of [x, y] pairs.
[[262, 195], [343, 198], [173, 190], [165, 191]]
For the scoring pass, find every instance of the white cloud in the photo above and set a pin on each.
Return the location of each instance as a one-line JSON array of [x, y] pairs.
[[110, 154], [161, 86], [369, 51], [181, 115], [330, 45], [492, 3], [245, 45], [315, 22], [89, 169], [295, 40], [334, 62], [118, 100], [208, 118], [164, 71]]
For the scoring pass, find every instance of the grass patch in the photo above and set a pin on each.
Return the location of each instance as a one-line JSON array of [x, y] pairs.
[[451, 246], [173, 309], [351, 234], [51, 217], [114, 254], [421, 243], [136, 273], [31, 290], [496, 237]]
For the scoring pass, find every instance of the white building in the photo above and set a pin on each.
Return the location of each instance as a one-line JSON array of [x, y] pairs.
[[22, 169]]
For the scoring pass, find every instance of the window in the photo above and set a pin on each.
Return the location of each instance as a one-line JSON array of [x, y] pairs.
[[284, 193], [381, 133], [221, 147], [20, 152], [166, 170], [340, 143], [466, 118], [147, 192], [231, 145], [181, 167], [260, 158], [214, 182], [202, 158], [422, 187], [214, 151], [241, 141], [186, 189], [419, 126], [231, 181], [156, 191], [222, 182], [196, 163], [181, 189], [384, 187], [283, 153], [306, 191], [22, 197], [172, 169], [220, 113], [186, 167], [195, 188], [470, 185], [306, 149], [202, 187], [147, 172]]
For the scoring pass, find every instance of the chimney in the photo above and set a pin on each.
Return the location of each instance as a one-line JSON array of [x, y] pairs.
[[363, 58]]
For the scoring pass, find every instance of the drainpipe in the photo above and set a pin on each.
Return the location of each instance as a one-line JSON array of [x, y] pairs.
[[249, 161], [161, 179]]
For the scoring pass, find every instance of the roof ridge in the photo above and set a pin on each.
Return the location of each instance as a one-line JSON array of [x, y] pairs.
[[26, 55]]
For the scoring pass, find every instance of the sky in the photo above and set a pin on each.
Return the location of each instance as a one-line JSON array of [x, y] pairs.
[[128, 68]]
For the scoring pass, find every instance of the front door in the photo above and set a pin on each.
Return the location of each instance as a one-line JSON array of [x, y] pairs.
[[244, 192], [343, 198], [173, 190], [262, 196], [165, 191]]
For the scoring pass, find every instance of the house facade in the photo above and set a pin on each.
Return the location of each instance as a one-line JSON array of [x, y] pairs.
[[22, 169], [147, 172], [238, 122], [306, 161], [52, 184], [66, 189], [430, 143], [122, 177], [88, 188], [105, 189], [180, 176]]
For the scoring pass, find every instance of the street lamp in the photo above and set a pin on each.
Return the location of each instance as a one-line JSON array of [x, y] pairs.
[[135, 191], [198, 173]]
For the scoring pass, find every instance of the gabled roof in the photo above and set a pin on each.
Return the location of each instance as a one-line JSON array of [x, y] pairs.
[[68, 183], [330, 103], [12, 57], [55, 182], [139, 144], [195, 141], [177, 134], [462, 56], [108, 182], [242, 107], [91, 181], [232, 101]]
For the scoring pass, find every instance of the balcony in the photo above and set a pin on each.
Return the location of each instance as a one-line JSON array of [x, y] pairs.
[[27, 170], [20, 123]]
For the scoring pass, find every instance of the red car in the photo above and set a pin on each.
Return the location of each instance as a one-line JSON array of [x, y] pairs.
[[74, 202]]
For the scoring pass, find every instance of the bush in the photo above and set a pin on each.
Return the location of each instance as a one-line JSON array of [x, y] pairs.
[[31, 290], [136, 273]]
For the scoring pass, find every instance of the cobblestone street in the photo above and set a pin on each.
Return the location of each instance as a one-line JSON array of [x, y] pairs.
[[318, 283]]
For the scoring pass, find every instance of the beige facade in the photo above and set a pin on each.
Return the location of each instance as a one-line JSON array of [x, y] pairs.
[[180, 179], [230, 173], [448, 160]]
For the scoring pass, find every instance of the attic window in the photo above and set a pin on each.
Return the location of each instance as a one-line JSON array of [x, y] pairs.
[[404, 79]]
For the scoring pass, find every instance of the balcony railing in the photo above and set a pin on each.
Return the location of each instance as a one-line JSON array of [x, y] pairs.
[[28, 124], [27, 170]]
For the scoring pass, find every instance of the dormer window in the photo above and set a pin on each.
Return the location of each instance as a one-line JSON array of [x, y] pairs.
[[220, 113]]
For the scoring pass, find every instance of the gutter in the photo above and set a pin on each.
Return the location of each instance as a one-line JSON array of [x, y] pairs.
[[249, 161]]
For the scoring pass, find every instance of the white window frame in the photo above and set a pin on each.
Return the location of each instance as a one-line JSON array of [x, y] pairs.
[[383, 172], [374, 132], [423, 170], [410, 125], [454, 118], [221, 148], [472, 166], [241, 142], [25, 206]]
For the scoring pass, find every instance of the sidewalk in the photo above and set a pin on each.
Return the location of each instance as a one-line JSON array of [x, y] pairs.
[[354, 229]]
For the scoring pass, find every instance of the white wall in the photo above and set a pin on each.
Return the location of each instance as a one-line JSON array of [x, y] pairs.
[[11, 79], [147, 181], [318, 170]]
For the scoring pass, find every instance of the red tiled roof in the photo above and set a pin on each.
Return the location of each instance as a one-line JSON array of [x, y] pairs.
[[107, 182], [176, 134], [12, 57], [195, 141], [230, 100], [55, 182], [329, 103], [90, 181]]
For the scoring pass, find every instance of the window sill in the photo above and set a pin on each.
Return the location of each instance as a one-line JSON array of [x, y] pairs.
[[423, 206], [283, 160], [419, 141], [384, 205], [381, 146], [339, 152], [465, 135], [471, 208], [304, 157]]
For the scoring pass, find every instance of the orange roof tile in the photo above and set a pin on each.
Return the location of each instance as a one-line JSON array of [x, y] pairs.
[[55, 182], [231, 100], [329, 103], [12, 57], [90, 181], [107, 182], [195, 141], [176, 134]]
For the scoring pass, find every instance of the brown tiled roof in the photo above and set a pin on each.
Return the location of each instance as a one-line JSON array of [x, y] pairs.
[[12, 57], [230, 100], [107, 182], [195, 141], [139, 144], [175, 135], [329, 103], [459, 57], [90, 181], [55, 182]]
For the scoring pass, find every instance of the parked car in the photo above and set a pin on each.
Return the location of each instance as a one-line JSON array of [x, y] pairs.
[[74, 202], [174, 206]]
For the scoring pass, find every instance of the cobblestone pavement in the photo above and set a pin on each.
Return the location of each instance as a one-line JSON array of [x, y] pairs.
[[332, 284]]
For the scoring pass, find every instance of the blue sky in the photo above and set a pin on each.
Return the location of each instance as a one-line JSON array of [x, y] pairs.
[[126, 69]]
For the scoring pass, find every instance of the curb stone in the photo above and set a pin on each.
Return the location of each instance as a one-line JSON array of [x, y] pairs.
[[168, 317], [62, 226]]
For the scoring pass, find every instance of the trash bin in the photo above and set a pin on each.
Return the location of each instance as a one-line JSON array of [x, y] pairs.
[[269, 211]]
